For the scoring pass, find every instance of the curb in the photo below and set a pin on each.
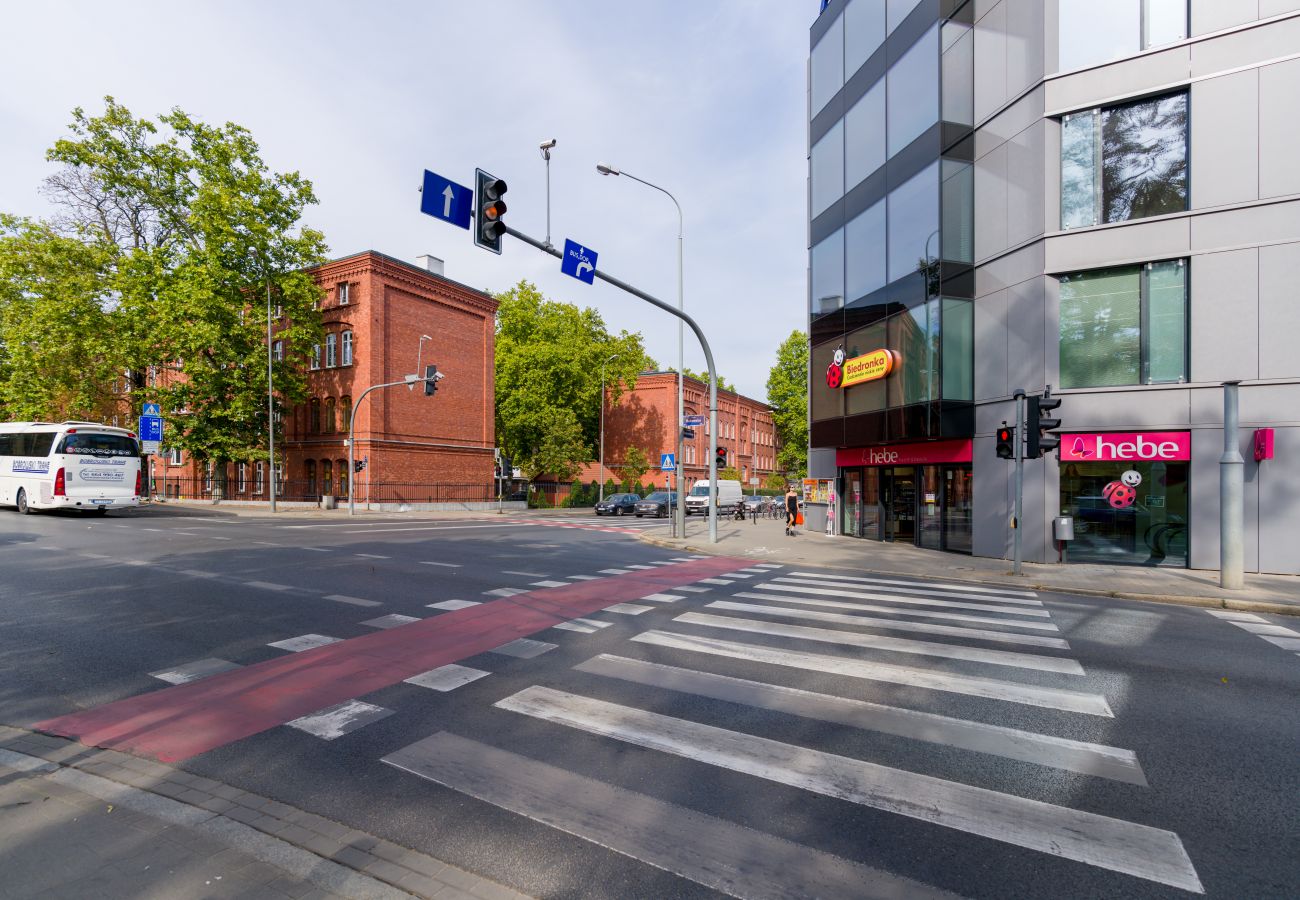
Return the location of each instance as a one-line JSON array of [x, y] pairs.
[[1258, 606], [333, 857]]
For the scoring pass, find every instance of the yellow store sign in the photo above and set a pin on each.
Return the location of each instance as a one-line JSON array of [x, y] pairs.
[[868, 367]]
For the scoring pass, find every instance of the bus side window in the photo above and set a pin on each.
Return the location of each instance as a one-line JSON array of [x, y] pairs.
[[40, 444], [6, 445]]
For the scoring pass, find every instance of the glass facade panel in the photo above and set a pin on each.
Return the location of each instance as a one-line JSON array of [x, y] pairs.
[[864, 136], [828, 66], [958, 237], [826, 402], [1093, 31], [914, 337], [897, 12], [1163, 22], [828, 169], [1079, 170], [958, 349], [1144, 158], [869, 396], [1101, 328], [1166, 321], [913, 222], [913, 84], [958, 40], [828, 274], [864, 252], [864, 31]]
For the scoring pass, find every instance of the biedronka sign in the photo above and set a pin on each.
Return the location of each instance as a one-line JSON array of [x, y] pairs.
[[869, 367]]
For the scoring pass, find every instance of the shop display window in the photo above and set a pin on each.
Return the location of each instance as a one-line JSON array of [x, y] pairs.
[[1127, 512]]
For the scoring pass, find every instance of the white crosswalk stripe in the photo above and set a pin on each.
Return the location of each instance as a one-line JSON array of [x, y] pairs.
[[905, 611], [930, 585], [891, 589], [1277, 635], [891, 598]]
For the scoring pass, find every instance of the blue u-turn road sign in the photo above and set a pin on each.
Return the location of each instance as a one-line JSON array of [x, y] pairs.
[[444, 199], [579, 262]]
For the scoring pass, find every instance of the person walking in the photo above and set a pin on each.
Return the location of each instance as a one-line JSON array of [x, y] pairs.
[[791, 511]]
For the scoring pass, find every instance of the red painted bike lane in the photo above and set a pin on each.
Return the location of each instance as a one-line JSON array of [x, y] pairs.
[[176, 723]]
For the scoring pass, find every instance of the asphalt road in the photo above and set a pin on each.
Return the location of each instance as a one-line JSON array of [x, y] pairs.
[[734, 733]]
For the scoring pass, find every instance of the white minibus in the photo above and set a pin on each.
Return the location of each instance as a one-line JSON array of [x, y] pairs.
[[68, 465]]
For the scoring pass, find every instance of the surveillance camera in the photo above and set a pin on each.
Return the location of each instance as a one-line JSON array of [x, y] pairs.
[[547, 145]]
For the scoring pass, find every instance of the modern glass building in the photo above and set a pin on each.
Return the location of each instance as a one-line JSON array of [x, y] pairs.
[[1095, 195]]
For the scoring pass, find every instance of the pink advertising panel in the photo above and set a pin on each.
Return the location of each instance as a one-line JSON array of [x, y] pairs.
[[1127, 446], [922, 454]]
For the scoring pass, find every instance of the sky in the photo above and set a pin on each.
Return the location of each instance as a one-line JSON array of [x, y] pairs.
[[706, 99]]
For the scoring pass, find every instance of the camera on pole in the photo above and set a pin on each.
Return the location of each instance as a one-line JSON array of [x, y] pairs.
[[1006, 442], [489, 207], [1040, 426]]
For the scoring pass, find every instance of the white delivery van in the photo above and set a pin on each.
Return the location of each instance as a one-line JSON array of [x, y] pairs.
[[729, 495], [68, 465]]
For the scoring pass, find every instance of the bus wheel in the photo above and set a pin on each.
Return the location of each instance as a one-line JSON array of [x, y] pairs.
[[22, 502]]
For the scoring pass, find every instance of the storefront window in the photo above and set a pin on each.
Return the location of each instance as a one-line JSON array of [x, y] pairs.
[[1127, 512]]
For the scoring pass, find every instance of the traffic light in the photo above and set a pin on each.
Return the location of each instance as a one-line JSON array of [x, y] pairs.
[[488, 210], [430, 380], [721, 457], [1039, 425], [359, 465], [1006, 442]]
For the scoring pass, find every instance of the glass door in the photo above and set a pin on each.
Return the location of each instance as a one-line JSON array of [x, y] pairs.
[[957, 506], [898, 490], [929, 515], [851, 504]]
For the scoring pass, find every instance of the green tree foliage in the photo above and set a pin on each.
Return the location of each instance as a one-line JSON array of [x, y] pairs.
[[183, 229], [787, 394], [729, 473], [635, 464], [723, 383], [548, 367], [774, 483]]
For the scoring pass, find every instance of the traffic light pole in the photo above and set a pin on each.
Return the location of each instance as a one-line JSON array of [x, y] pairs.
[[708, 358], [1019, 442], [352, 420]]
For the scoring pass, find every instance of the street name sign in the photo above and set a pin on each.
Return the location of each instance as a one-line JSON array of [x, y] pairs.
[[579, 262], [444, 199], [692, 421]]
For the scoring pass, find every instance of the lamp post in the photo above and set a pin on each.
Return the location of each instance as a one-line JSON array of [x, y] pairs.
[[270, 395], [679, 517], [602, 424]]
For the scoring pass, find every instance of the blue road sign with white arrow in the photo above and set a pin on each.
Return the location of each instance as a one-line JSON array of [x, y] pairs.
[[444, 199], [667, 461], [579, 262]]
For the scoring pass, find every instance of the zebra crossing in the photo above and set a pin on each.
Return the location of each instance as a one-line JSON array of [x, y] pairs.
[[795, 627], [607, 524], [1277, 635]]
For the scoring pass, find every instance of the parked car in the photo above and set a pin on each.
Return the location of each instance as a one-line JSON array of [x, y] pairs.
[[658, 504], [756, 505], [618, 505]]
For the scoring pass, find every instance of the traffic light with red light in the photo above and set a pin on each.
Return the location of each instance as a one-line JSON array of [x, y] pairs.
[[1006, 442], [721, 458], [489, 208]]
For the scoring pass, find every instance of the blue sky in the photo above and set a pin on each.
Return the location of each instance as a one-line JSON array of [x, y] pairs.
[[706, 99]]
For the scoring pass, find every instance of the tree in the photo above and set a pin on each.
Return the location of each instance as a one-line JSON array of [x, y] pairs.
[[635, 464], [774, 482], [190, 230], [787, 394], [548, 389], [723, 384], [729, 473]]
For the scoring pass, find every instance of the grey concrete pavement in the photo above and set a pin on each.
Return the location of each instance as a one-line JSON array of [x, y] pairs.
[[765, 539]]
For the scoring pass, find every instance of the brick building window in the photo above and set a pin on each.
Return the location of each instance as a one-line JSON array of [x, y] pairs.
[[342, 465], [259, 477], [313, 424], [347, 348], [326, 476], [331, 350], [342, 293], [277, 350], [315, 356], [242, 478], [327, 422], [175, 458], [345, 412], [311, 478]]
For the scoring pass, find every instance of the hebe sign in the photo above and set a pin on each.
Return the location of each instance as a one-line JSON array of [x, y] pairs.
[[1125, 446]]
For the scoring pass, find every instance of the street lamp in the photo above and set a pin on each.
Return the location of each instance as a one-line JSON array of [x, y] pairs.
[[602, 424], [419, 355], [679, 519]]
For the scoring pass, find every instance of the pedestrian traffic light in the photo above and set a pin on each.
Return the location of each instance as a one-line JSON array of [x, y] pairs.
[[1006, 442], [359, 465], [430, 380], [488, 210], [1039, 425], [721, 457]]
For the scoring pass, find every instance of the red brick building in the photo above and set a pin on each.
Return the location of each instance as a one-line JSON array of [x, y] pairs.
[[374, 311], [645, 417]]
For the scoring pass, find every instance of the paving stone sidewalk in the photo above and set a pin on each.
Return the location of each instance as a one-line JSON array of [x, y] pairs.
[[78, 822], [765, 539]]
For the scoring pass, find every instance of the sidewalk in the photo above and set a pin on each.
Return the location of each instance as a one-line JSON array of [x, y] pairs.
[[765, 539], [77, 822]]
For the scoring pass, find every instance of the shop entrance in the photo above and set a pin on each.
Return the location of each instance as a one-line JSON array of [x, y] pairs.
[[929, 506], [898, 499]]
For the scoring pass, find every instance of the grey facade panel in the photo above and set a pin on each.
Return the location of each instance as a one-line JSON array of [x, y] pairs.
[[1134, 409], [990, 60], [1024, 44], [1269, 8], [1224, 315], [991, 203], [1025, 336], [1267, 224], [1225, 133], [1025, 181], [1279, 313], [1130, 77], [1136, 241], [1279, 129], [1246, 47], [991, 346], [1215, 15], [992, 500], [1203, 533]]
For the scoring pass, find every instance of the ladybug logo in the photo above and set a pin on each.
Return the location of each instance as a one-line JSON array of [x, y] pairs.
[[835, 371], [1119, 495]]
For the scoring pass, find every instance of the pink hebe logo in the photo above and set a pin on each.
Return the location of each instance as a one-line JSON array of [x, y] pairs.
[[1160, 446]]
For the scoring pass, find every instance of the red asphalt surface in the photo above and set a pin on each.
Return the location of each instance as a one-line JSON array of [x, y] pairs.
[[178, 722]]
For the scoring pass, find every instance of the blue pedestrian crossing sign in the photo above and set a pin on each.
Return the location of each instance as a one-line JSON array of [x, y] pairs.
[[151, 409], [579, 262], [667, 462], [444, 199]]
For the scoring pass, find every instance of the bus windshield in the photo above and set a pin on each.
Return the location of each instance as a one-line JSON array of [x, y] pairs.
[[86, 443]]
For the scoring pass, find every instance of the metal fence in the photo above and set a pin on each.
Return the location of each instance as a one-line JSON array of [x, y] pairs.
[[311, 490]]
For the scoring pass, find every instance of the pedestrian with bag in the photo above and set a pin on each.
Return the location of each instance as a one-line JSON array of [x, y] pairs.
[[791, 511]]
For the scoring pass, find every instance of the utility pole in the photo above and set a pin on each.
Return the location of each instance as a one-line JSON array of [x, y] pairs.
[[1021, 426], [1231, 496]]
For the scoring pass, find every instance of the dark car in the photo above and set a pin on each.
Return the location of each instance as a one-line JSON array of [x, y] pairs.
[[617, 505], [657, 504]]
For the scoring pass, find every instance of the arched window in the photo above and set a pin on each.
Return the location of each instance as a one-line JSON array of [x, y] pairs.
[[329, 419], [311, 478], [343, 477], [313, 425], [345, 412], [326, 476]]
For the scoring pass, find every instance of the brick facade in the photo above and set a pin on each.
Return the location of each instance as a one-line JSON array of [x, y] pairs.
[[375, 324], [645, 417]]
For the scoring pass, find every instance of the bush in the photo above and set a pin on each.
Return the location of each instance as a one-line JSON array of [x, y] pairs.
[[539, 500]]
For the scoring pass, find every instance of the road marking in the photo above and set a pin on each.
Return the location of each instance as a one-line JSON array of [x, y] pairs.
[[95, 555], [755, 570], [662, 562], [916, 601], [627, 609], [714, 581], [446, 678], [631, 566], [1235, 616], [447, 565], [372, 556], [523, 648], [550, 584], [217, 537], [1012, 743], [313, 549], [263, 543], [929, 585], [333, 722], [737, 575], [615, 571], [1011, 603], [768, 566], [979, 634], [188, 672], [908, 676], [1264, 628], [692, 589], [582, 577], [1286, 643], [896, 645], [454, 604], [1133, 849], [507, 592], [139, 562], [525, 574], [199, 573], [433, 528], [355, 601], [663, 598], [683, 559], [268, 586], [925, 613], [304, 642], [730, 858], [392, 620], [583, 626]]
